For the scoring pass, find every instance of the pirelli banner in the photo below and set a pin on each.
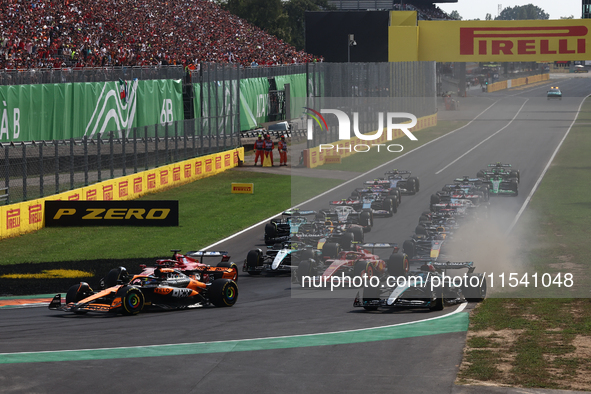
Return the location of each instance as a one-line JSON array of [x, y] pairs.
[[111, 213], [496, 41], [25, 217]]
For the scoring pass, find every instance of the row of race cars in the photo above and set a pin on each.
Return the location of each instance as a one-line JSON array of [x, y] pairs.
[[319, 245], [430, 284]]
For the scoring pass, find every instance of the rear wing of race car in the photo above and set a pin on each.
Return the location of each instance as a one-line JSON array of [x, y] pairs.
[[455, 265], [196, 254], [398, 172], [497, 165], [379, 181], [381, 245], [344, 202], [297, 212]]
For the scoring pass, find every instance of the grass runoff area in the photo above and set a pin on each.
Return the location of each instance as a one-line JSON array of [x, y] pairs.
[[544, 342]]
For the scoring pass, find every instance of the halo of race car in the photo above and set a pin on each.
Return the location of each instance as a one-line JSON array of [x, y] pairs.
[[322, 244]]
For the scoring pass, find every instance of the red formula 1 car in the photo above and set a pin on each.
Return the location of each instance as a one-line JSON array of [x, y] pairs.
[[191, 264], [164, 288], [357, 262]]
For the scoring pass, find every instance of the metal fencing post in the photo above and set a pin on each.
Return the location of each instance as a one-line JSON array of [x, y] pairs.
[[41, 173], [57, 168], [99, 163], [85, 143], [24, 172], [111, 156]]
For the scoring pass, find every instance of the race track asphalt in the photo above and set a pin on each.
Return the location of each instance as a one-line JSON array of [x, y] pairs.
[[519, 127]]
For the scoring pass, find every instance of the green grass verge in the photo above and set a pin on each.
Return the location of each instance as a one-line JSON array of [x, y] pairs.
[[361, 162], [208, 213], [544, 342]]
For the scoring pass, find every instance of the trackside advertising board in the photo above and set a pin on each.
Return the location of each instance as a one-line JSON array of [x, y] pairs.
[[28, 216], [111, 213], [484, 41], [74, 110]]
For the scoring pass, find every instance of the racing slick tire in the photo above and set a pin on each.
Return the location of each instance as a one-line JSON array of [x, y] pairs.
[[408, 247], [223, 292], [366, 219], [438, 305], [78, 292], [305, 268], [330, 250], [514, 174], [370, 293], [306, 254], [271, 230], [398, 264], [227, 264], [358, 234], [346, 241], [253, 260], [414, 185], [424, 218], [390, 206], [514, 187], [421, 230], [396, 192], [132, 300], [363, 268], [477, 293], [480, 174], [115, 277], [435, 199]]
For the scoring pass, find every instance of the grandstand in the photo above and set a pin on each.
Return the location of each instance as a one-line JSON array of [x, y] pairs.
[[98, 33]]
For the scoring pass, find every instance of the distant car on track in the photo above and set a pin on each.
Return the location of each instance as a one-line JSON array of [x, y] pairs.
[[554, 93]]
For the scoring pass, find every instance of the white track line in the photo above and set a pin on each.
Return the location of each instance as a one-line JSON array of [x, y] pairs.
[[533, 190], [486, 139], [459, 309]]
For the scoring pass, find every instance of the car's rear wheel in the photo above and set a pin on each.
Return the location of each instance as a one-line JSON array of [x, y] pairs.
[[304, 270], [408, 247], [358, 234], [132, 300], [398, 264], [363, 268], [330, 250], [346, 241], [223, 292], [271, 230]]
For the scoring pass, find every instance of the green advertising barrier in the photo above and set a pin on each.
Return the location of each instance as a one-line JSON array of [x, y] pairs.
[[297, 88], [254, 102], [216, 100], [74, 110]]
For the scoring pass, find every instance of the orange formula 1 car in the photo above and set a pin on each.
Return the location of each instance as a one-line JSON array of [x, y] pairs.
[[165, 288]]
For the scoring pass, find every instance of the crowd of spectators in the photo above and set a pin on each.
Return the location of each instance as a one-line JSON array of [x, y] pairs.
[[97, 33]]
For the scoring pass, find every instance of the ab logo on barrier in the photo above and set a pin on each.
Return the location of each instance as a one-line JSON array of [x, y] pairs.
[[111, 213]]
